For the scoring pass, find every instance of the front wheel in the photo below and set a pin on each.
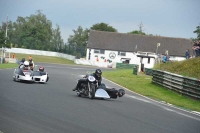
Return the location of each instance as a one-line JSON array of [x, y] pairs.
[[92, 92]]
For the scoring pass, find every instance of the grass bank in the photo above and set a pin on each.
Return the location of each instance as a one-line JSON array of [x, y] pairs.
[[189, 68], [8, 65], [143, 85]]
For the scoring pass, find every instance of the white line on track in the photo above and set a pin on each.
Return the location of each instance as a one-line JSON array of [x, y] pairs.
[[160, 102]]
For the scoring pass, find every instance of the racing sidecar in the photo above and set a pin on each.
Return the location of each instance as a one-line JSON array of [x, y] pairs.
[[41, 77], [20, 74]]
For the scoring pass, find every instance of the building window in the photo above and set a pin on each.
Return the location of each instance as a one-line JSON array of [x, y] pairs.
[[99, 51], [121, 53]]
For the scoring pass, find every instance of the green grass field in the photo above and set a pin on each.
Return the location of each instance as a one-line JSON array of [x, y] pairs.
[[48, 59], [37, 58], [140, 83], [8, 65]]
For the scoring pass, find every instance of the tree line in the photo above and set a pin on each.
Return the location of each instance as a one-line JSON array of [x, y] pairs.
[[36, 32]]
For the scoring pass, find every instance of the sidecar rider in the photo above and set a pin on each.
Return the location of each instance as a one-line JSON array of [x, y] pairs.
[[97, 74], [22, 61], [31, 64], [25, 66]]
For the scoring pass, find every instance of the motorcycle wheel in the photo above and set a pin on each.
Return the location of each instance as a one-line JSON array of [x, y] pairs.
[[78, 94], [92, 92]]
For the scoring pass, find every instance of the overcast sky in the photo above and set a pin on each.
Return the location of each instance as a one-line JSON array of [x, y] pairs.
[[171, 18]]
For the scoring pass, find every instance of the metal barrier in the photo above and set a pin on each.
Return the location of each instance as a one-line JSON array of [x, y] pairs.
[[135, 70], [124, 65], [183, 85], [148, 71]]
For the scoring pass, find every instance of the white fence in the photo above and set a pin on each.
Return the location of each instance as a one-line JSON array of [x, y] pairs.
[[40, 52], [95, 63]]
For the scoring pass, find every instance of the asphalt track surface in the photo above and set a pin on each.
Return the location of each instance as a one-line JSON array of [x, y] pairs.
[[54, 108]]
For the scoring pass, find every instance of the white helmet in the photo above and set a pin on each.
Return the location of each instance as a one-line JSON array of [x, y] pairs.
[[26, 63]]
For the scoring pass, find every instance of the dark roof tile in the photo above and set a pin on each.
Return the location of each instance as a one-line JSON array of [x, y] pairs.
[[127, 42]]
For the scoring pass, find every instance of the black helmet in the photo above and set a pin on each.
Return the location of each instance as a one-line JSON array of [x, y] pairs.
[[41, 69], [23, 59], [98, 72], [121, 92]]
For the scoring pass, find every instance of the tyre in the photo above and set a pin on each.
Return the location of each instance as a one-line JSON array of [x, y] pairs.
[[92, 91], [78, 94]]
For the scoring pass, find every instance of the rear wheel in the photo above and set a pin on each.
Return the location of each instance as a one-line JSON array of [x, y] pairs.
[[15, 78], [78, 92]]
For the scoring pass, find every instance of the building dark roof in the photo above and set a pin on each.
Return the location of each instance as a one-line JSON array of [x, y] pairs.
[[129, 42]]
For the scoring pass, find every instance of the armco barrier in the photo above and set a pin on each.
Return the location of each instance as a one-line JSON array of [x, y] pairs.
[[124, 65], [183, 85], [148, 71]]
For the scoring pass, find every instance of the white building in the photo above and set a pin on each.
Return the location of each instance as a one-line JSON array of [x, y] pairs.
[[105, 49]]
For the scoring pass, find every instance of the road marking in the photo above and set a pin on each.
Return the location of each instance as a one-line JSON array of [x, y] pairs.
[[181, 113], [137, 98], [160, 102]]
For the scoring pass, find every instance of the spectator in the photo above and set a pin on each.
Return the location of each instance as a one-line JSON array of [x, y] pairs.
[[195, 48], [167, 57], [164, 58], [187, 54], [192, 56], [161, 57]]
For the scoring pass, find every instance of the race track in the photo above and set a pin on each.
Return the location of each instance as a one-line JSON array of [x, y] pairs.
[[54, 108]]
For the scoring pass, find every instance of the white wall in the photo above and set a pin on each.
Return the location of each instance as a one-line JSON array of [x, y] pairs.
[[118, 59], [40, 52]]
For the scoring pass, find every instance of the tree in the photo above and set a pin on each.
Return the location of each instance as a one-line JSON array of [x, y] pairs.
[[140, 31], [136, 32], [197, 31], [57, 41], [33, 32], [77, 42], [103, 27], [2, 39]]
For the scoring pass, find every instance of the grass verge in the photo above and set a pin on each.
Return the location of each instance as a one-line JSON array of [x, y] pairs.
[[48, 59], [8, 65], [143, 85], [37, 58]]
